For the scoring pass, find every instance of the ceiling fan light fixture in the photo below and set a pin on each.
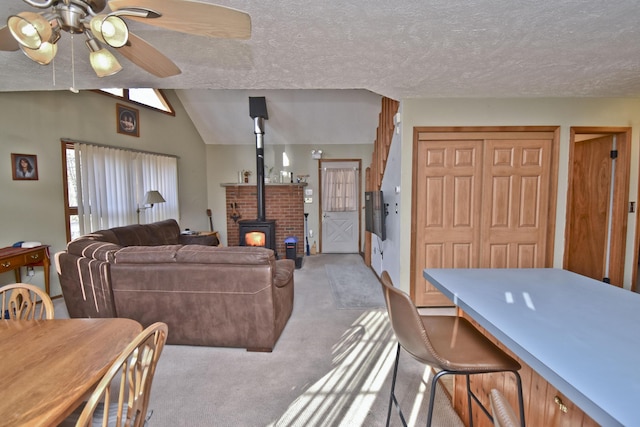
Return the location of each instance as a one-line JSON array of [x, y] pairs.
[[29, 29], [43, 55], [102, 61], [110, 29]]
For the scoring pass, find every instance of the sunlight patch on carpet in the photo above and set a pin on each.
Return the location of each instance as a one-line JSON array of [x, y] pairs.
[[363, 359]]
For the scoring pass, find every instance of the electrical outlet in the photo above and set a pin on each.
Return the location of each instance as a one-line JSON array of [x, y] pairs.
[[30, 271]]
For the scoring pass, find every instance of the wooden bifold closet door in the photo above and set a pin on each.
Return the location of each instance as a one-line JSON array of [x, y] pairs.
[[481, 199]]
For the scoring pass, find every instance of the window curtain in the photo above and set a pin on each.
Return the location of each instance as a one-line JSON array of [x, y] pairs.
[[339, 190], [112, 183], [157, 172]]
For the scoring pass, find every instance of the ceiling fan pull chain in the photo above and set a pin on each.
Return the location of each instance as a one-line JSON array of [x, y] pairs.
[[73, 69]]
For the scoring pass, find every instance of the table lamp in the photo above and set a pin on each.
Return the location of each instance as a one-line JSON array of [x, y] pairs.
[[150, 198]]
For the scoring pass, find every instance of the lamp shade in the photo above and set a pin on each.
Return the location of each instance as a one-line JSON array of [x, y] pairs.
[[29, 29], [110, 29], [153, 197], [43, 55], [104, 63]]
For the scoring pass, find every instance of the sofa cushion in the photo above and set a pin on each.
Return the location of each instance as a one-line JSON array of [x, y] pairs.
[[158, 233], [198, 239], [147, 254], [197, 254]]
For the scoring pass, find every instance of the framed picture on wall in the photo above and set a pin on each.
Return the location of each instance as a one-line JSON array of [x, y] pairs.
[[128, 120], [24, 166]]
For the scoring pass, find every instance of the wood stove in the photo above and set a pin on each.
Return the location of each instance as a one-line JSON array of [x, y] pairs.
[[258, 233]]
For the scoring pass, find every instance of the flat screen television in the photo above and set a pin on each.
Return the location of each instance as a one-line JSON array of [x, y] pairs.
[[375, 213]]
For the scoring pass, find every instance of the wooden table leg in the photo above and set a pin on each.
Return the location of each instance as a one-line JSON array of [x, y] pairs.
[[46, 264]]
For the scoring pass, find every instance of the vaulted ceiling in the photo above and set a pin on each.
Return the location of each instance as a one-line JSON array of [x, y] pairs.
[[399, 49]]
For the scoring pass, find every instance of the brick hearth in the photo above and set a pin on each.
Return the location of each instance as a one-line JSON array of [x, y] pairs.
[[284, 203]]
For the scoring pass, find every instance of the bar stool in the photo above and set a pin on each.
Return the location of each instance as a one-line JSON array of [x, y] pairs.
[[450, 344]]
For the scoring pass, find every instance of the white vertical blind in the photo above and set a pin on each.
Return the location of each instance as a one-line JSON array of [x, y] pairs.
[[112, 183]]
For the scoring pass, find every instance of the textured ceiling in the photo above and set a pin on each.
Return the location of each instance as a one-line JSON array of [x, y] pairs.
[[399, 49]]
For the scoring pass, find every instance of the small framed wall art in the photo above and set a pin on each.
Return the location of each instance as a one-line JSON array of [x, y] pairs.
[[24, 166], [128, 120]]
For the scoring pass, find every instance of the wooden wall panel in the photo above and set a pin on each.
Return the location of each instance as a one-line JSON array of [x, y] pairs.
[[540, 404]]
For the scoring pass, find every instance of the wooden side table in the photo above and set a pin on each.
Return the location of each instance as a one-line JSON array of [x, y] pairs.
[[13, 258], [210, 233]]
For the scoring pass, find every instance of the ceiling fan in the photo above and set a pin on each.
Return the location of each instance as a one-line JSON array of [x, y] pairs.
[[36, 33]]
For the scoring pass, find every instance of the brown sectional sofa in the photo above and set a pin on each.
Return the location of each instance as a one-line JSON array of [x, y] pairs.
[[211, 296]]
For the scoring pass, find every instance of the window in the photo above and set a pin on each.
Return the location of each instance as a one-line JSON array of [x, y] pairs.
[[105, 187], [153, 99], [339, 189]]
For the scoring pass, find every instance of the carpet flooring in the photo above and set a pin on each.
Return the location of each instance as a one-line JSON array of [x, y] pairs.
[[330, 367], [353, 284]]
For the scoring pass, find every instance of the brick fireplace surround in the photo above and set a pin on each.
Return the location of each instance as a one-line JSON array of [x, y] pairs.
[[284, 203]]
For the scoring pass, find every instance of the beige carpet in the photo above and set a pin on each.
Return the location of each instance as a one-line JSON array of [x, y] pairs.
[[331, 367], [354, 285]]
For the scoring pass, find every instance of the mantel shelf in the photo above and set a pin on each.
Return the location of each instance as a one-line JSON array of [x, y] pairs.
[[242, 184]]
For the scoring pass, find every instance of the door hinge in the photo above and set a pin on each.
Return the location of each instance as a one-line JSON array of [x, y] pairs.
[[614, 154]]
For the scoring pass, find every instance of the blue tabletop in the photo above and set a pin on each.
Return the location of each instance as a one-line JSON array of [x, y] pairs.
[[578, 333]]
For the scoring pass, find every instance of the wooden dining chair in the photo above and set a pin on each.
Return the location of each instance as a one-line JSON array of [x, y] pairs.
[[503, 415], [449, 344], [121, 398], [22, 301]]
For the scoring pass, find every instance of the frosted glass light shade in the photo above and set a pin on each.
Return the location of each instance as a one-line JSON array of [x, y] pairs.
[[104, 63], [44, 55], [111, 30], [29, 29]]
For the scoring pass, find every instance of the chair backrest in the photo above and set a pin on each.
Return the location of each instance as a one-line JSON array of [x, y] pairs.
[[136, 367], [503, 414], [407, 323], [22, 301]]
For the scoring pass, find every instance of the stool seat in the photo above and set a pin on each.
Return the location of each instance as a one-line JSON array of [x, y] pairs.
[[459, 346]]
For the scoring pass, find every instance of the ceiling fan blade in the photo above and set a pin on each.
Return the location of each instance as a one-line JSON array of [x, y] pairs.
[[192, 17], [147, 57], [7, 42]]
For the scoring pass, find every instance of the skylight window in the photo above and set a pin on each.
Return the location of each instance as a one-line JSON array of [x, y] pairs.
[[145, 97]]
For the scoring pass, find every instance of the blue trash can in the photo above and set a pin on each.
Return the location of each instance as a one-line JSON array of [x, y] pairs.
[[291, 247]]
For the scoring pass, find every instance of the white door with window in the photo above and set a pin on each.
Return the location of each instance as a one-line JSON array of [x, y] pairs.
[[340, 206]]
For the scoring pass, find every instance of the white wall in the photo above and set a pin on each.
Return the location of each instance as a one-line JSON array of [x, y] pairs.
[[516, 112], [385, 255], [34, 123]]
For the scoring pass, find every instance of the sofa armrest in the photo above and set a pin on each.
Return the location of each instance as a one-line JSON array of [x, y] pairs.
[[284, 272], [93, 249]]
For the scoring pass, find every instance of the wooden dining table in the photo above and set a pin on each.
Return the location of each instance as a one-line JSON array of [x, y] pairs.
[[48, 367]]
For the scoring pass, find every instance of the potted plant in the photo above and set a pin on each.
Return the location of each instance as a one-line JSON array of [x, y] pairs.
[[246, 175], [267, 175]]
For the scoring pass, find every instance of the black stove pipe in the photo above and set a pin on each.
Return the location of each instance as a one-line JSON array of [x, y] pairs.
[[258, 112], [259, 131]]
